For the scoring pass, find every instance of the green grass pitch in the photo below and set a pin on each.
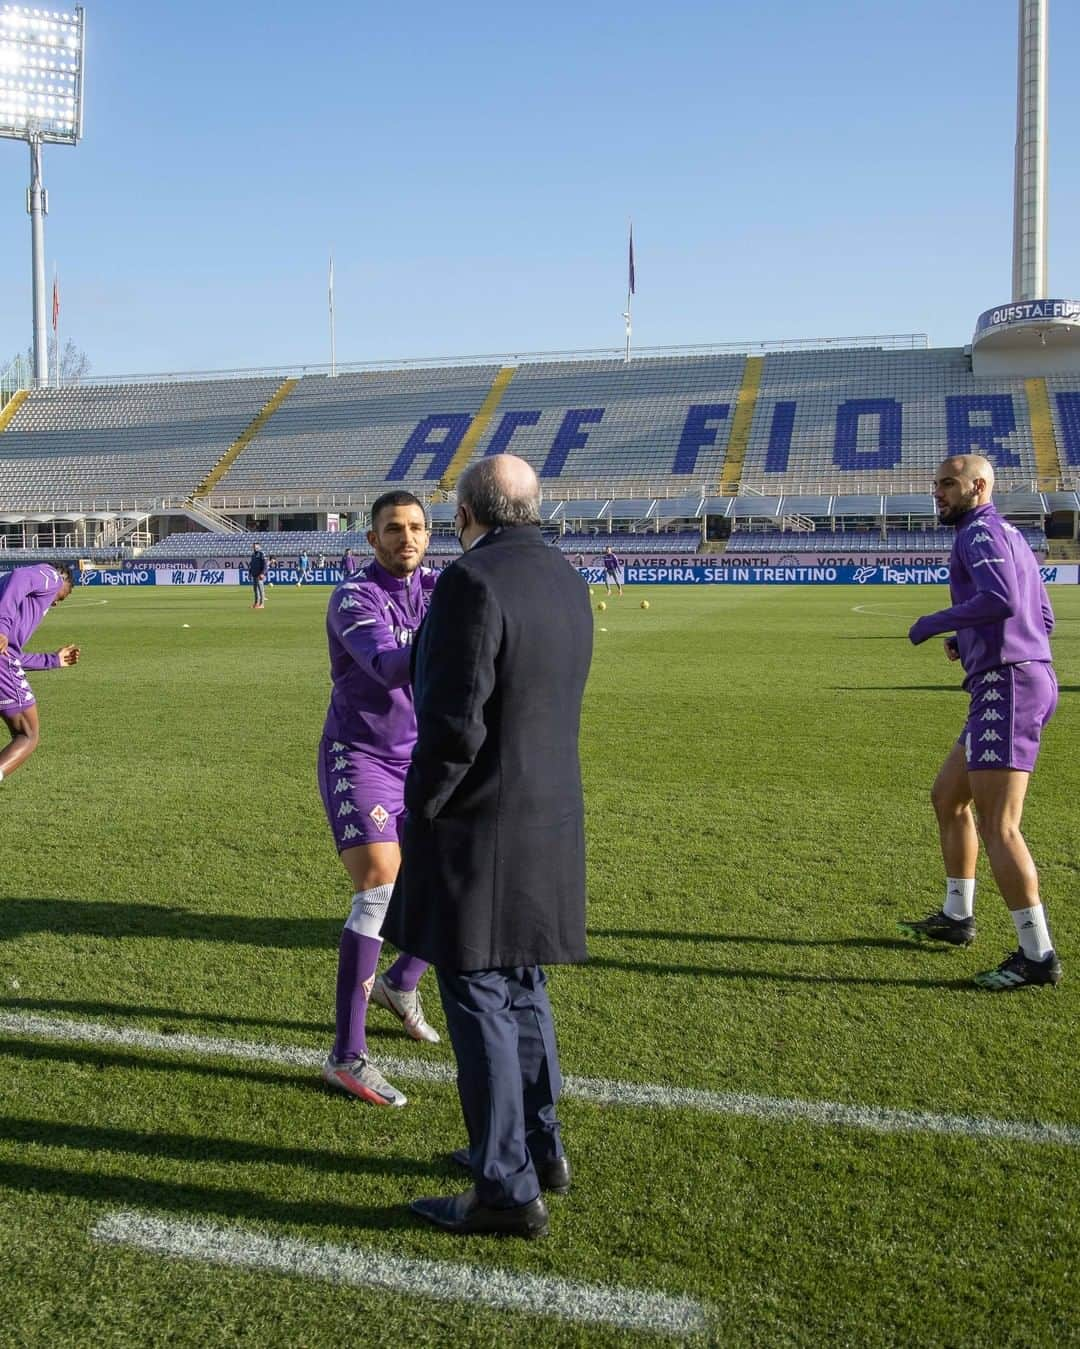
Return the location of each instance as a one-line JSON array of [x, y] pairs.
[[757, 765]]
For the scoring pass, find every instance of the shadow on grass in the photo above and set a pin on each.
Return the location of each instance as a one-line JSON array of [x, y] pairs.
[[897, 688], [105, 918], [199, 1148], [168, 1015], [749, 939], [774, 976], [50, 1052], [195, 1201]]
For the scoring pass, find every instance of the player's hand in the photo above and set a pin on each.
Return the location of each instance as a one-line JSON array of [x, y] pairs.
[[951, 649], [69, 655]]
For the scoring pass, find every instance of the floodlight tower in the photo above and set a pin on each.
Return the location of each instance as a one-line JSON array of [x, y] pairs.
[[1029, 207], [1033, 335], [41, 99]]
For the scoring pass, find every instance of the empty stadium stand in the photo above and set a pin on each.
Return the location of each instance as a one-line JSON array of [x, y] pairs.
[[134, 443], [789, 436]]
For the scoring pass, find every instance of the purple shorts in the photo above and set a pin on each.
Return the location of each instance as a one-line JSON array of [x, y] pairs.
[[15, 691], [364, 797], [1009, 707]]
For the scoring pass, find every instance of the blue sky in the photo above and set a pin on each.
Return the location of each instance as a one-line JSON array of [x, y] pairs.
[[793, 170]]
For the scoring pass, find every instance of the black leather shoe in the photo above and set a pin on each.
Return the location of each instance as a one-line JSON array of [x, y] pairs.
[[464, 1215], [553, 1176]]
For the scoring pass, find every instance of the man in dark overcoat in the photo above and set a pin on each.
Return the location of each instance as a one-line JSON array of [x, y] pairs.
[[492, 885]]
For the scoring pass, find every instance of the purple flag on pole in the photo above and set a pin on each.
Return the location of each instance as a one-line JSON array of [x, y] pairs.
[[632, 260]]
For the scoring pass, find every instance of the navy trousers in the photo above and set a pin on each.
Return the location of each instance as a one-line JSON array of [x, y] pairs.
[[503, 1036]]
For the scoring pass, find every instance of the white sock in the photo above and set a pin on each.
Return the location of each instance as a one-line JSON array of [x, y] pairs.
[[1033, 933], [959, 897]]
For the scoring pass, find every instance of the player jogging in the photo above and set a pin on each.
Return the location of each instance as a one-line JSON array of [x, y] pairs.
[[613, 571], [1002, 621], [257, 572], [26, 594], [363, 757]]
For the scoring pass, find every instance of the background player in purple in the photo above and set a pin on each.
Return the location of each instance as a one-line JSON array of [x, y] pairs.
[[1002, 621], [363, 758], [613, 570], [26, 594]]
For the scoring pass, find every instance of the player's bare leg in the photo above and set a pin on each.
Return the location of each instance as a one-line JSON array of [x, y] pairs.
[[999, 805], [954, 923], [23, 730], [999, 795], [951, 798]]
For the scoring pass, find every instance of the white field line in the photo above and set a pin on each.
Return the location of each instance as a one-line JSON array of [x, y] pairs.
[[476, 1285], [598, 1091]]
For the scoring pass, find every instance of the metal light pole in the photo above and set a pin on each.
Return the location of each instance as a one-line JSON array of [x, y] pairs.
[[37, 204], [1030, 192], [41, 100]]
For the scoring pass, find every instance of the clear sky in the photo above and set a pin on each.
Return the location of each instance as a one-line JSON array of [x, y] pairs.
[[793, 169]]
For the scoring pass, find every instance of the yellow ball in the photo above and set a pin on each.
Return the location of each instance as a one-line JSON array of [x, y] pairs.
[[601, 607], [644, 604]]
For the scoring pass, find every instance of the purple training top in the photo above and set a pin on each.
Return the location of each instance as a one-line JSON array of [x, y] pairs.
[[25, 597], [611, 562], [370, 625], [1000, 612]]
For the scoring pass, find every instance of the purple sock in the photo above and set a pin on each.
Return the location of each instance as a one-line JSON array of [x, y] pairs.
[[404, 974], [358, 958]]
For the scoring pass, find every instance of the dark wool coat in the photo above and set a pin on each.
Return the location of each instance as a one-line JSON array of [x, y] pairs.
[[493, 846]]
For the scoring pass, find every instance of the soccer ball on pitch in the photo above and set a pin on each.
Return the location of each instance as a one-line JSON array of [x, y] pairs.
[[644, 604], [601, 607]]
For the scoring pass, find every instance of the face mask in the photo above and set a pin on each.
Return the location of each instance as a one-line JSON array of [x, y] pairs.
[[461, 535]]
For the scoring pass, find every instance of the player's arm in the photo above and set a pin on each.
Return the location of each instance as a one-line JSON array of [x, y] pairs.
[[359, 620], [455, 676], [1047, 611], [993, 571], [49, 660], [25, 582]]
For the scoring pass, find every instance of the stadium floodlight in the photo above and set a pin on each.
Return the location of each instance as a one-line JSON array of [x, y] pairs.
[[41, 99]]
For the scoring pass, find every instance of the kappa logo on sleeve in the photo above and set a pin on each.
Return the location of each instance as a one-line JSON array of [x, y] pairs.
[[349, 602]]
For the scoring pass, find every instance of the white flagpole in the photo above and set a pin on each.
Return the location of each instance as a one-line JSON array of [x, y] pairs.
[[333, 343], [628, 316], [56, 322]]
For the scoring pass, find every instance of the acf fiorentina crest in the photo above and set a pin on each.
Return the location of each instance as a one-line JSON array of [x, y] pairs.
[[380, 816]]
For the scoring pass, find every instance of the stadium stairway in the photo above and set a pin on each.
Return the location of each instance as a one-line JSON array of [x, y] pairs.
[[477, 427], [244, 438], [1044, 438], [14, 403], [739, 439]]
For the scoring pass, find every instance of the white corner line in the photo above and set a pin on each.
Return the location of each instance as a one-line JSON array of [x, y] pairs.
[[448, 1281], [598, 1091]]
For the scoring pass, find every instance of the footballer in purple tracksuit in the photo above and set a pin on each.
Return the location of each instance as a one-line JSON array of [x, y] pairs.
[[363, 758], [999, 623], [613, 571], [26, 595]]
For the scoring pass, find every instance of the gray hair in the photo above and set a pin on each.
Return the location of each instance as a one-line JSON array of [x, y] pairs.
[[499, 493]]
